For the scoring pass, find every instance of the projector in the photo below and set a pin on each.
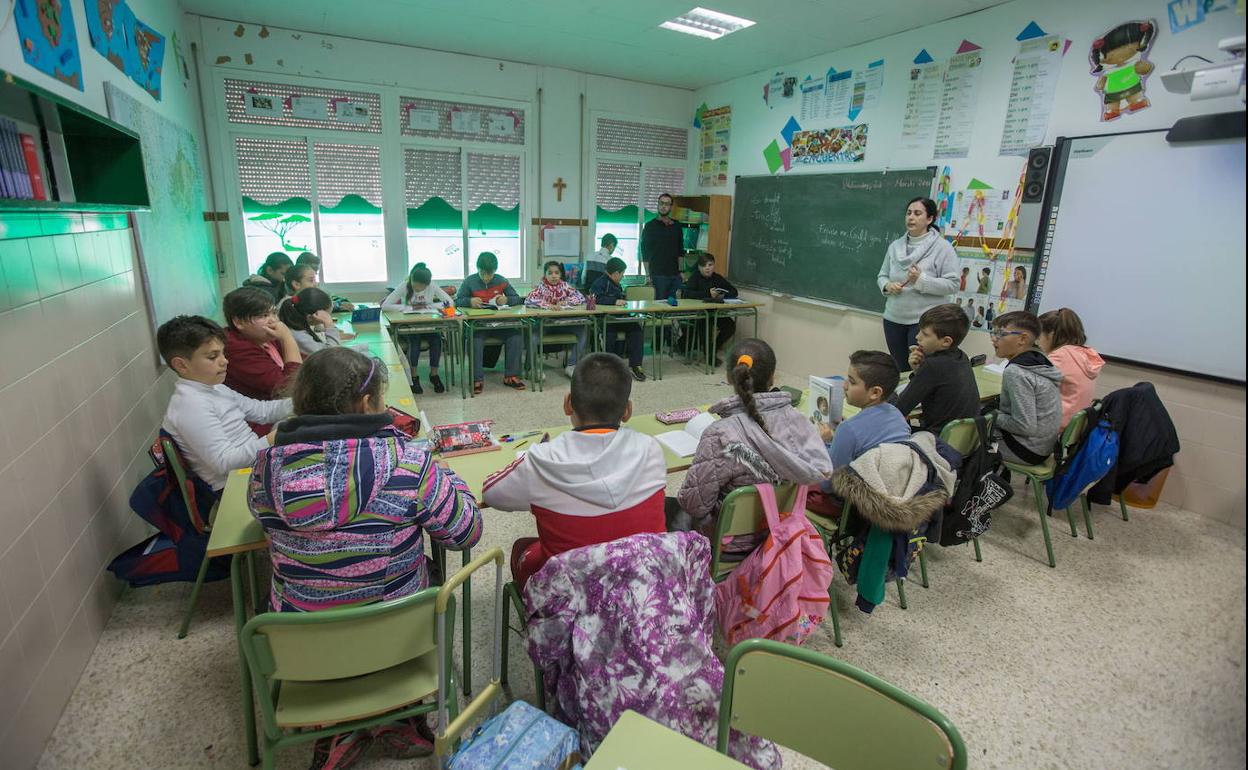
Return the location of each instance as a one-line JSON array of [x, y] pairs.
[[1214, 80]]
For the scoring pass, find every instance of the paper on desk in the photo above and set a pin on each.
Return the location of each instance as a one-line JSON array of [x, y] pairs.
[[997, 368], [734, 301], [684, 442]]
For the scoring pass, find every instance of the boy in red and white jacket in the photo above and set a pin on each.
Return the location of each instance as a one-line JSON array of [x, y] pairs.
[[596, 483]]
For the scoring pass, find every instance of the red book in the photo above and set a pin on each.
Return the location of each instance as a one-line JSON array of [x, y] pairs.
[[33, 167]]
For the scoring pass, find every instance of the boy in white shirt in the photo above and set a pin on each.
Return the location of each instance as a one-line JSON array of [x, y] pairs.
[[207, 420]]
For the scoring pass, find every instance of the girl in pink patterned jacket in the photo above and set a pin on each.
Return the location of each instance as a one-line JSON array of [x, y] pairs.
[[554, 293]]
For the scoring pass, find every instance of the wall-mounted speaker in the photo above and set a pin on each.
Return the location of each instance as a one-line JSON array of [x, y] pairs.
[[1037, 174]]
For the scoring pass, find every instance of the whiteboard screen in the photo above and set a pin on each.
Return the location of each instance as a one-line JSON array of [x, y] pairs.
[[1147, 246]]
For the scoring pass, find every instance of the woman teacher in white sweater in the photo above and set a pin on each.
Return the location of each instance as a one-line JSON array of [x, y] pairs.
[[920, 271]]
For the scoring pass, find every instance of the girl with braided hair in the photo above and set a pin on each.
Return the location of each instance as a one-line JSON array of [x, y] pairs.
[[760, 439]]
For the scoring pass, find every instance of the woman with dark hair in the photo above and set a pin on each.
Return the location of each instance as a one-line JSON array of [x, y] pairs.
[[920, 271]]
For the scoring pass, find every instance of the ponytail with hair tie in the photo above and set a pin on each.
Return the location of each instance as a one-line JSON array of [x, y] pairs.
[[753, 365]]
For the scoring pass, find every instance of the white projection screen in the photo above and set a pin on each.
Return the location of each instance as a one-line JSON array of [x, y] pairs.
[[1146, 244]]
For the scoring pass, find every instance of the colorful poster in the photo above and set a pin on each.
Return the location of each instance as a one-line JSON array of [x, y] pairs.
[[1033, 89], [713, 161], [867, 86], [981, 211], [838, 90], [846, 144], [812, 99], [1120, 64], [990, 285], [918, 123], [45, 31], [129, 45], [781, 86], [959, 91]]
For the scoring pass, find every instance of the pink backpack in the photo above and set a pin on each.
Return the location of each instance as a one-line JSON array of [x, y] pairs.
[[780, 591]]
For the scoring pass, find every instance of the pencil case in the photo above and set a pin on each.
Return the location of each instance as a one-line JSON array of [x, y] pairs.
[[676, 416]]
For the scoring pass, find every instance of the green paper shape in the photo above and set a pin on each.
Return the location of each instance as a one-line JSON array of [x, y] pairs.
[[771, 154], [978, 185]]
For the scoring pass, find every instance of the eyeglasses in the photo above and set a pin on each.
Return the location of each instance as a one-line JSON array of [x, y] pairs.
[[996, 335]]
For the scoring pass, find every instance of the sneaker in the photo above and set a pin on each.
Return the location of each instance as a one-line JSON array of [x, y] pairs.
[[568, 370], [339, 751], [436, 381], [514, 382], [404, 739], [638, 374], [416, 386]]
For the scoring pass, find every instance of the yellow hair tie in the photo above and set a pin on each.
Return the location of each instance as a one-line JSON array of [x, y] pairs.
[[746, 360]]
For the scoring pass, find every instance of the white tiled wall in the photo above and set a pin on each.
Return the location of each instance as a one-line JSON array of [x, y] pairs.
[[1208, 477], [81, 397]]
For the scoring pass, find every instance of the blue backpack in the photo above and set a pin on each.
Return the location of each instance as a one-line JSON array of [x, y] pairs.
[[1085, 464]]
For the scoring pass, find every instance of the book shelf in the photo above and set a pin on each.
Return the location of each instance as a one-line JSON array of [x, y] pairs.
[[57, 156], [714, 212]]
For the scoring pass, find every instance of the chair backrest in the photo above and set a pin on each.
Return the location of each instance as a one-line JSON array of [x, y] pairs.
[[639, 293], [742, 514], [962, 434], [831, 711], [174, 462], [336, 644], [1073, 433]]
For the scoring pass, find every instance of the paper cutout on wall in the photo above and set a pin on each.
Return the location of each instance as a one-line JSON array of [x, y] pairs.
[[1120, 64], [771, 154], [49, 42], [790, 128], [697, 115], [924, 57], [944, 198], [786, 155], [846, 144], [1033, 89], [958, 95], [129, 45]]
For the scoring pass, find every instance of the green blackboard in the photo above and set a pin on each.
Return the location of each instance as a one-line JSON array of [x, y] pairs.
[[821, 236]]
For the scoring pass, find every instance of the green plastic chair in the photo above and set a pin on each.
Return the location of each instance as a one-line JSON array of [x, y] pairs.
[[832, 712], [1041, 472], [511, 595], [834, 533], [318, 674], [742, 514], [963, 436], [173, 461]]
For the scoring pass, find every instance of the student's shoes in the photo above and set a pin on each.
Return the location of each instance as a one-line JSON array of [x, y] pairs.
[[404, 739], [416, 386], [477, 387], [638, 374], [568, 370], [515, 383], [339, 751], [436, 382]]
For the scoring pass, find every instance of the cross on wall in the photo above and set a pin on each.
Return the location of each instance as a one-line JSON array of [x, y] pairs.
[[559, 186]]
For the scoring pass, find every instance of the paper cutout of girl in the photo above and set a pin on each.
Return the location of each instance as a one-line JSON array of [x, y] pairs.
[[1124, 50]]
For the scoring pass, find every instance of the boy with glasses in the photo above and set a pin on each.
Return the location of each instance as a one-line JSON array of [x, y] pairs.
[[1030, 416]]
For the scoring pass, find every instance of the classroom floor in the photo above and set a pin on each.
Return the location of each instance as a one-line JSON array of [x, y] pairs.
[[1130, 654]]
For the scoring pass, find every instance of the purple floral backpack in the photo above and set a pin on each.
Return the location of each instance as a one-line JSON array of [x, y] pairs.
[[780, 591]]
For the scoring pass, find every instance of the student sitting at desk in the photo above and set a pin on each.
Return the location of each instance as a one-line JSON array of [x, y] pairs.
[[706, 284], [206, 419], [346, 500], [608, 291], [307, 316], [596, 266], [262, 351], [298, 278], [595, 483], [270, 277], [486, 288], [418, 293], [1062, 339], [943, 382], [1030, 416], [341, 304], [554, 293]]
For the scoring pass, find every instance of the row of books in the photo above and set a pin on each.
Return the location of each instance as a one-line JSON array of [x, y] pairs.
[[21, 170]]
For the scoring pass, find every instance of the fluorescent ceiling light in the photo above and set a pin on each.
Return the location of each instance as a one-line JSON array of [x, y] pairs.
[[704, 22]]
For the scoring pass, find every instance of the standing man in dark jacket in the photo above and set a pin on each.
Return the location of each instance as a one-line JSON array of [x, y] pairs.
[[662, 245]]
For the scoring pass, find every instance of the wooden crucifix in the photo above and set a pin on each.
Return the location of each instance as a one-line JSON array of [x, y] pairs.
[[559, 186]]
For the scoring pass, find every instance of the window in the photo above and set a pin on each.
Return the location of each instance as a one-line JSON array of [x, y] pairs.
[[627, 188], [277, 197], [348, 193], [438, 232]]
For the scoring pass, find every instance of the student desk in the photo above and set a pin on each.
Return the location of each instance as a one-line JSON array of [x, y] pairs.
[[989, 385], [635, 742], [450, 329]]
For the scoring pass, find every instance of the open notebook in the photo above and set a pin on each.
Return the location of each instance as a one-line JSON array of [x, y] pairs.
[[684, 442]]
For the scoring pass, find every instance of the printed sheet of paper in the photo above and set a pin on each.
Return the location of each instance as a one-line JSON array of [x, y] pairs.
[[837, 93], [1032, 92], [812, 100], [959, 91], [866, 91], [716, 133], [918, 123]]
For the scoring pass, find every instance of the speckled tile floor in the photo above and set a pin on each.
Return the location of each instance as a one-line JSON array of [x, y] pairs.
[[1131, 654]]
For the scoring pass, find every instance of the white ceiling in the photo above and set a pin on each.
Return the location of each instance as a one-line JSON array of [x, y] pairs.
[[620, 38]]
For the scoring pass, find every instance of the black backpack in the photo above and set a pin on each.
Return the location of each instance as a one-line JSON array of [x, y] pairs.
[[980, 489]]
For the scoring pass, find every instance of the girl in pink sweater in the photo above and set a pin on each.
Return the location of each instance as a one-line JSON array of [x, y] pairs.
[[554, 293], [1063, 341]]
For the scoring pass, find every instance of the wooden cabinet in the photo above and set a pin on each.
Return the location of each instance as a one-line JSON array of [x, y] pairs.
[[716, 215]]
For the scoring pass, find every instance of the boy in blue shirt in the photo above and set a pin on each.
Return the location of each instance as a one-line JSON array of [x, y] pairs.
[[871, 379]]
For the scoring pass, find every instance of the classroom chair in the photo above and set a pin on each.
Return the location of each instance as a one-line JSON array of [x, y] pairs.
[[1037, 474], [639, 293], [742, 514], [511, 595], [836, 532], [830, 711], [311, 686], [174, 462], [963, 436]]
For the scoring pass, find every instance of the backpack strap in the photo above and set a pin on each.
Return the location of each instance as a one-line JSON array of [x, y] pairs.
[[771, 511]]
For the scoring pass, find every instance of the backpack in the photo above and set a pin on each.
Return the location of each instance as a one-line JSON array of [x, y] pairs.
[[779, 591], [521, 736], [1085, 464], [980, 489], [176, 551]]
